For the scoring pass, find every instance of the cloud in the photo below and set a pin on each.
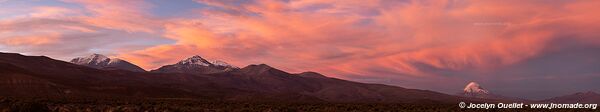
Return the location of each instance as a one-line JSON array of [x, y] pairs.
[[127, 15], [34, 40], [160, 55], [52, 12], [105, 27], [283, 29], [438, 45], [414, 42]]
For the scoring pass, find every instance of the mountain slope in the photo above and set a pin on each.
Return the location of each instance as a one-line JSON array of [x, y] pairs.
[[196, 65], [581, 97], [71, 80], [28, 74], [312, 75], [266, 79], [17, 81], [99, 61]]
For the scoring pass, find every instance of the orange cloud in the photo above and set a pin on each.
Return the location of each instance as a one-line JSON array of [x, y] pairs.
[[53, 12], [153, 57], [79, 27], [130, 15], [31, 40], [398, 37], [414, 42]]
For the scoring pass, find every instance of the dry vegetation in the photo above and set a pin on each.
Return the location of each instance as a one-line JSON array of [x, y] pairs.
[[182, 105]]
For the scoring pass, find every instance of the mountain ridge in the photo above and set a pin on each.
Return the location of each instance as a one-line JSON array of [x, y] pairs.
[[41, 76], [100, 61], [579, 97], [251, 83], [196, 65]]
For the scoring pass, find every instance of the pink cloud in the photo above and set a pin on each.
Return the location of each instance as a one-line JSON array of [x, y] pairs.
[[370, 38], [452, 35], [31, 40], [100, 26], [412, 41], [130, 15]]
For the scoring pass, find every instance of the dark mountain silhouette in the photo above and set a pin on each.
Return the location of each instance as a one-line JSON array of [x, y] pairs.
[[580, 97], [39, 76], [99, 61], [312, 75]]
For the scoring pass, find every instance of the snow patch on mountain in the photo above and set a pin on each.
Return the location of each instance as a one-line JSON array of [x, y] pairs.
[[222, 63], [99, 61], [475, 88], [195, 60], [196, 65], [94, 59], [198, 60]]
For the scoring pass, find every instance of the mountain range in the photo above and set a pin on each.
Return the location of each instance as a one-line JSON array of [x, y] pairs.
[[580, 97], [97, 76], [40, 76]]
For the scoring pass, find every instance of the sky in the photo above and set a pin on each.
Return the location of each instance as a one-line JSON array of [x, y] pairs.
[[530, 49]]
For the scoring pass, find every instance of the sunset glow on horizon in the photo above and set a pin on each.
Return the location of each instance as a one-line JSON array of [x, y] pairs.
[[436, 45]]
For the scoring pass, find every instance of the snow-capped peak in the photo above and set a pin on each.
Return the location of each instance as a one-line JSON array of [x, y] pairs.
[[198, 60], [102, 62], [473, 87], [91, 59], [221, 63], [195, 60]]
